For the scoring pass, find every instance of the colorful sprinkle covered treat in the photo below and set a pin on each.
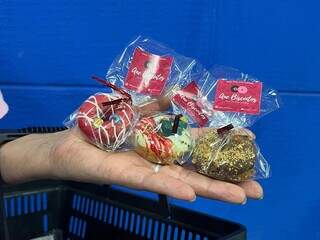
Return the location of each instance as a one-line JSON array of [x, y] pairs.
[[163, 139]]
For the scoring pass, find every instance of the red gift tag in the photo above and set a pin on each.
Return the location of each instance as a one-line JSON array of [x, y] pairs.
[[148, 73], [188, 99], [238, 96]]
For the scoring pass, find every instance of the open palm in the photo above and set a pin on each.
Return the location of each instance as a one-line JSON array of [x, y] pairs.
[[75, 159], [66, 155]]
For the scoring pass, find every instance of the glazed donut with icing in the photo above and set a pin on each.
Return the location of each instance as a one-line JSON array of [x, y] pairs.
[[107, 119], [155, 139], [106, 126]]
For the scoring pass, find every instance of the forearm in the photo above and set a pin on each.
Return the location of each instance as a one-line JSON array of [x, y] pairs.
[[61, 155], [25, 159]]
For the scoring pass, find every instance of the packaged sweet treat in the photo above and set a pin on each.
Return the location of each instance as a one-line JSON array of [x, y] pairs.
[[227, 101], [189, 101], [105, 119], [238, 98], [222, 102], [163, 138], [225, 95], [148, 69], [187, 98], [229, 154]]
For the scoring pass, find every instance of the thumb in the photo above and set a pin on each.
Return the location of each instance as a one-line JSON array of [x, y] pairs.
[[159, 105]]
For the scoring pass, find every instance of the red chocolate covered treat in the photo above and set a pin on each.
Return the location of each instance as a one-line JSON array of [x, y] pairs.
[[106, 120]]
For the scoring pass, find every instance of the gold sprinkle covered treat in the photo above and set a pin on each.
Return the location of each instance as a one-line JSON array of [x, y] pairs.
[[229, 157]]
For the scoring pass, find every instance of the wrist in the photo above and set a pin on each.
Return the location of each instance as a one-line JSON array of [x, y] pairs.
[[26, 159], [1, 160]]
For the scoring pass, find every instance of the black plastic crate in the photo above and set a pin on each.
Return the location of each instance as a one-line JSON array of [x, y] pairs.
[[87, 211]]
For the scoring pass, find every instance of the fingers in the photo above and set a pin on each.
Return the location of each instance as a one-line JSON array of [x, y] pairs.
[[246, 132], [211, 188], [198, 132], [207, 187], [252, 189], [161, 104]]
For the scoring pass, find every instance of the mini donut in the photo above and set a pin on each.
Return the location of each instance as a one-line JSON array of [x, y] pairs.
[[154, 140], [106, 120], [230, 157]]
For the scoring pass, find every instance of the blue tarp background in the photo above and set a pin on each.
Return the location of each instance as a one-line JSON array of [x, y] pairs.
[[49, 49]]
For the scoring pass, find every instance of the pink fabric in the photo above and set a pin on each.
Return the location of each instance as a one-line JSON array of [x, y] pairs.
[[4, 108]]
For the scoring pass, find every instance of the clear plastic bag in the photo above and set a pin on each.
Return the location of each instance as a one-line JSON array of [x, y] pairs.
[[226, 101], [224, 96], [237, 98], [229, 154], [105, 119], [147, 69], [187, 99], [163, 138]]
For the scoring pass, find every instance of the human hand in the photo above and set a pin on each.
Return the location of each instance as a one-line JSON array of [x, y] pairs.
[[67, 155]]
